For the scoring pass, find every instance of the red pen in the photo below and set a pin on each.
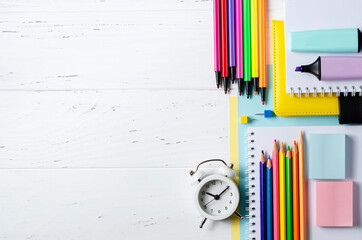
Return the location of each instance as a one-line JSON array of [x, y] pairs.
[[217, 66], [224, 45]]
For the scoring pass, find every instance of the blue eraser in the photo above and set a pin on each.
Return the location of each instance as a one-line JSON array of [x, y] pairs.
[[268, 113]]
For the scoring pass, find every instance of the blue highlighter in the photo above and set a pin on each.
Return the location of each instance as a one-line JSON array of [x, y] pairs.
[[327, 41]]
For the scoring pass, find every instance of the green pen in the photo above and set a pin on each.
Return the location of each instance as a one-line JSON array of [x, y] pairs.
[[247, 46], [288, 187]]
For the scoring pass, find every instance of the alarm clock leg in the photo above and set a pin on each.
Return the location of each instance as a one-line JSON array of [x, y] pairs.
[[203, 222], [238, 215]]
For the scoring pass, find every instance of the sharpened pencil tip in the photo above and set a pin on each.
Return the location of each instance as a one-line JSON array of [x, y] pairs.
[[255, 93], [262, 152], [288, 148], [263, 102], [295, 143], [226, 91], [300, 137], [275, 140], [269, 163]]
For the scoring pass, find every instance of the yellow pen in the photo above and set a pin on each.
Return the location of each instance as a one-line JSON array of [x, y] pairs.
[[282, 196], [254, 45]]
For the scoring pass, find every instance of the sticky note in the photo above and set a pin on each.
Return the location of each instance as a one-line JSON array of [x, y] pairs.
[[326, 156], [334, 203]]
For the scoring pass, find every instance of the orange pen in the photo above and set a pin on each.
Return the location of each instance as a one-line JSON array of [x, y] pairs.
[[295, 167], [262, 49]]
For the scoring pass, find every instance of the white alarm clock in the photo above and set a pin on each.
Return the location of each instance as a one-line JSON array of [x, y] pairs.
[[216, 195]]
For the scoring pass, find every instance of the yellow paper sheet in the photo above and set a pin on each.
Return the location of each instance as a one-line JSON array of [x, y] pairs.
[[234, 157]]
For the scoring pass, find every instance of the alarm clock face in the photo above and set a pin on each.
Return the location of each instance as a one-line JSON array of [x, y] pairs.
[[217, 197]]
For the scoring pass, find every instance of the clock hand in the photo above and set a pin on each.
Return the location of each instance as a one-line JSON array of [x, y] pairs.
[[224, 190], [209, 202], [210, 194]]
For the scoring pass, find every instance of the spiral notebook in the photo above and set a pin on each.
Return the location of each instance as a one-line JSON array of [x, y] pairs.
[[284, 105], [261, 138], [316, 15]]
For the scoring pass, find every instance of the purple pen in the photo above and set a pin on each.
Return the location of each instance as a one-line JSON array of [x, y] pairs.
[[231, 27], [334, 68], [239, 45]]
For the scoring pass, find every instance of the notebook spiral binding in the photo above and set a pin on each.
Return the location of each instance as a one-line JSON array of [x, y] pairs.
[[322, 91], [250, 200]]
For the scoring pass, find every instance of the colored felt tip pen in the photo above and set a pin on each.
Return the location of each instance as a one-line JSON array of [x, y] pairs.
[[239, 45], [334, 68], [262, 50], [247, 46], [217, 64], [231, 32], [326, 41], [224, 45], [254, 45]]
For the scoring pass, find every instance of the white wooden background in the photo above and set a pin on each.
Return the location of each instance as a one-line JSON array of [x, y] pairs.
[[105, 105]]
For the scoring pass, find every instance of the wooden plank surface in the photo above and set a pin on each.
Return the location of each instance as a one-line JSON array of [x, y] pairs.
[[112, 50], [101, 204], [105, 106], [107, 45], [139, 128]]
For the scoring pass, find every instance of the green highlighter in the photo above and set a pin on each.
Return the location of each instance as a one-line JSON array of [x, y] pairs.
[[327, 41], [247, 46]]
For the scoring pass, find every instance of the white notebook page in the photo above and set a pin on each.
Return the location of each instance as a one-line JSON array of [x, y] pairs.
[[305, 15], [263, 138]]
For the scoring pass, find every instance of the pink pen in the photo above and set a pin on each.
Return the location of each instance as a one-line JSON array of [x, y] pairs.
[[275, 156], [217, 65], [239, 45]]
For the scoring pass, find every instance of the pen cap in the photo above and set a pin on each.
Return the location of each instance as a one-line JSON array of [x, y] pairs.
[[326, 41]]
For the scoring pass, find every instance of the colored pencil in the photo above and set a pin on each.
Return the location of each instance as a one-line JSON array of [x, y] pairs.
[[302, 195], [254, 44], [231, 31], [247, 46], [262, 50], [239, 45], [275, 159], [262, 197], [224, 46], [283, 215], [269, 200], [295, 166], [288, 189], [217, 66]]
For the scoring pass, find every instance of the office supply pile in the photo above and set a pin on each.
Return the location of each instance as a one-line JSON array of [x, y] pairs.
[[282, 192], [321, 56], [301, 185], [297, 186], [240, 46]]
